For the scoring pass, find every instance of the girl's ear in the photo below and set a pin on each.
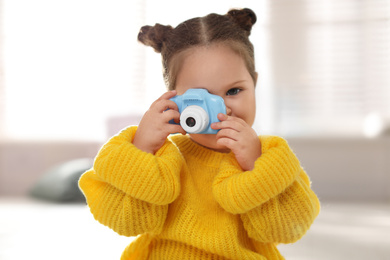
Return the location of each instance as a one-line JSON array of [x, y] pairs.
[[245, 18], [154, 36]]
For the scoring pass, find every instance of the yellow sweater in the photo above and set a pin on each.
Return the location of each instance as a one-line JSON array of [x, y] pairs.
[[189, 202]]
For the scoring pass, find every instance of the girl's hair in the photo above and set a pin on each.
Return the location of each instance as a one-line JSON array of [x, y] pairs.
[[232, 29]]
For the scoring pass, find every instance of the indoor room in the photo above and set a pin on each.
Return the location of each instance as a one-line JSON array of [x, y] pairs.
[[73, 74]]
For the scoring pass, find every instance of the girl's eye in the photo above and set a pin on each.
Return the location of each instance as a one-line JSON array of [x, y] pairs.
[[233, 91]]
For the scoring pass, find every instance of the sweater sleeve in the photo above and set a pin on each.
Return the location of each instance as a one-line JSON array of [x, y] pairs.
[[144, 176], [275, 200], [285, 218], [122, 213], [129, 190]]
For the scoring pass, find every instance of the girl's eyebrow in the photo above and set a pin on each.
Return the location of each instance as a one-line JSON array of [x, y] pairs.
[[237, 82]]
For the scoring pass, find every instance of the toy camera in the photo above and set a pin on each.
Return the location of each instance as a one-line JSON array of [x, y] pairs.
[[198, 110]]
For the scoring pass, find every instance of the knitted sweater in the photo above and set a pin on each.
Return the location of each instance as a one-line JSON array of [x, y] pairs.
[[189, 202]]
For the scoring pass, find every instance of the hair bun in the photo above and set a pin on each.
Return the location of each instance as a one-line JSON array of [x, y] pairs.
[[154, 36], [245, 18]]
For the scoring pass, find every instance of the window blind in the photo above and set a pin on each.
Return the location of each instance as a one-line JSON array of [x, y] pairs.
[[331, 60], [2, 87]]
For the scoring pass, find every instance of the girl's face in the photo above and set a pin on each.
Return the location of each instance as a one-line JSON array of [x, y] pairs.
[[222, 72]]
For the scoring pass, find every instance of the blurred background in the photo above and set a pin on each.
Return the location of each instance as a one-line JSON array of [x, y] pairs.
[[72, 74]]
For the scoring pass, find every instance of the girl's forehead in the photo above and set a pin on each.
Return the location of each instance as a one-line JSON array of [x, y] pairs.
[[219, 54], [213, 69]]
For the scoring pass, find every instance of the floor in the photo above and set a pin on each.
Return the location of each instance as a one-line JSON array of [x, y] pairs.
[[38, 230], [345, 231]]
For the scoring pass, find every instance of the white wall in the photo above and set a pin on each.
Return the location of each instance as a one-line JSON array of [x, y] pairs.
[[21, 164], [340, 169], [346, 169]]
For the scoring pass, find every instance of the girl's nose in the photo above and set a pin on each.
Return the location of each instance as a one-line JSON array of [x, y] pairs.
[[228, 111]]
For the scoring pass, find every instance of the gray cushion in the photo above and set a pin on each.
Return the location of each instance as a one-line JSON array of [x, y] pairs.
[[60, 184]]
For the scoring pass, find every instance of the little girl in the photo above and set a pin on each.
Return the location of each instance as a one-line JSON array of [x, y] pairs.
[[230, 195]]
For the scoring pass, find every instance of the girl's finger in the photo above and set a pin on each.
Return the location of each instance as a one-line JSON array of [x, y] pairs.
[[161, 105], [169, 104], [222, 117], [164, 102], [168, 95], [228, 133], [227, 142], [174, 129], [230, 123], [171, 114]]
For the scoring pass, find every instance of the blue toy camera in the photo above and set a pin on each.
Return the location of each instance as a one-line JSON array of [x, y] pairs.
[[198, 110]]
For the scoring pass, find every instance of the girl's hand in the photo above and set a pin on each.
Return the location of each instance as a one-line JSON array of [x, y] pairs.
[[154, 127], [240, 138]]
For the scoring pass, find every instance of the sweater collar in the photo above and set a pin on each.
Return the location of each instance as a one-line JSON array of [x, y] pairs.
[[190, 148]]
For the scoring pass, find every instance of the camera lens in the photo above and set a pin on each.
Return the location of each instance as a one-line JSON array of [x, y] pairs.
[[191, 122], [194, 119]]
